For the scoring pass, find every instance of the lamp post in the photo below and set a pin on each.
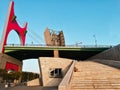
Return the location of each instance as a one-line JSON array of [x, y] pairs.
[[95, 40], [77, 43]]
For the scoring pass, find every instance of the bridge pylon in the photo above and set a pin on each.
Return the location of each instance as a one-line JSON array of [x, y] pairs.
[[12, 24]]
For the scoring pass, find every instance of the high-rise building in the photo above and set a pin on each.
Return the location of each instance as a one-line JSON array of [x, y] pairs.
[[54, 38]]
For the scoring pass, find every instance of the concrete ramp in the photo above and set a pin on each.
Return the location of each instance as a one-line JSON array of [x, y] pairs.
[[35, 82], [112, 63], [110, 54], [94, 76]]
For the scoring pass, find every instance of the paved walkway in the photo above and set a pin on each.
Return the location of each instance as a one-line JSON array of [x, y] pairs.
[[95, 76]]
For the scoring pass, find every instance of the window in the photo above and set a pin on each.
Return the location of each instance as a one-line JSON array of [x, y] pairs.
[[55, 73]]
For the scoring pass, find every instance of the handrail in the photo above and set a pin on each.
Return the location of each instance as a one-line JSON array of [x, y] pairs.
[[69, 46], [64, 85]]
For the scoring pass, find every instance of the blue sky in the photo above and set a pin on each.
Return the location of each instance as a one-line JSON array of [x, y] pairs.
[[79, 19]]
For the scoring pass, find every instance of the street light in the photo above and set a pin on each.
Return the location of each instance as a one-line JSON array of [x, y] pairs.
[[77, 43], [95, 40]]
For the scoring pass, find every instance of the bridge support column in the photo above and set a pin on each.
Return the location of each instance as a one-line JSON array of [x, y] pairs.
[[56, 53]]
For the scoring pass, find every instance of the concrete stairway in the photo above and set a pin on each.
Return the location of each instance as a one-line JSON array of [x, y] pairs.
[[94, 76]]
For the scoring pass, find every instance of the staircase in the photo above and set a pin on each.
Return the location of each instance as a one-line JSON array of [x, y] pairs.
[[94, 76]]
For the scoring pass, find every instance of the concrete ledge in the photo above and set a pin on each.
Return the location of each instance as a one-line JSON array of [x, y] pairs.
[[64, 85]]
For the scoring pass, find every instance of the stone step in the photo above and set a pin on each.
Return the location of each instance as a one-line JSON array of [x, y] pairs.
[[79, 82], [95, 76], [87, 89], [96, 86], [84, 80], [83, 87], [112, 83]]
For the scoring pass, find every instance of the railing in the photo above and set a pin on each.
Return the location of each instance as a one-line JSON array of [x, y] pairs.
[[67, 46], [65, 83]]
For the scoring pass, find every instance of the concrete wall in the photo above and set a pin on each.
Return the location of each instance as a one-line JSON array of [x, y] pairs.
[[48, 62], [5, 58], [111, 63], [110, 54]]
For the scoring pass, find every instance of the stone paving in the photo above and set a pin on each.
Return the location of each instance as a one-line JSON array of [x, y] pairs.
[[95, 76]]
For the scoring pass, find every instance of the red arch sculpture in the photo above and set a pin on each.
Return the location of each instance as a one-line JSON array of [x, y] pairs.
[[11, 24]]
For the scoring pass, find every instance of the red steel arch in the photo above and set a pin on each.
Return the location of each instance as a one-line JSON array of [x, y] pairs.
[[11, 24]]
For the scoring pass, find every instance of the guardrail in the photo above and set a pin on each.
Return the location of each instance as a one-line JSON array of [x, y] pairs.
[[64, 85], [69, 46]]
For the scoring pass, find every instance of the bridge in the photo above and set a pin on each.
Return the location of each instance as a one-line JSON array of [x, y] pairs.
[[35, 51]]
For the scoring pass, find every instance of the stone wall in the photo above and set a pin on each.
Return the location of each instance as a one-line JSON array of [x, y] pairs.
[[5, 58], [46, 63]]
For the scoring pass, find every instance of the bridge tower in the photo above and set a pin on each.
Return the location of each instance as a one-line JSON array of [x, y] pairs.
[[12, 24], [54, 38]]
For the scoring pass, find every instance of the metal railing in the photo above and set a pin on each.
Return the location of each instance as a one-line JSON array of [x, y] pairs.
[[67, 46]]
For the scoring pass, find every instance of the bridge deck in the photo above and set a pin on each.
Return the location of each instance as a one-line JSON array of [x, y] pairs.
[[26, 52]]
